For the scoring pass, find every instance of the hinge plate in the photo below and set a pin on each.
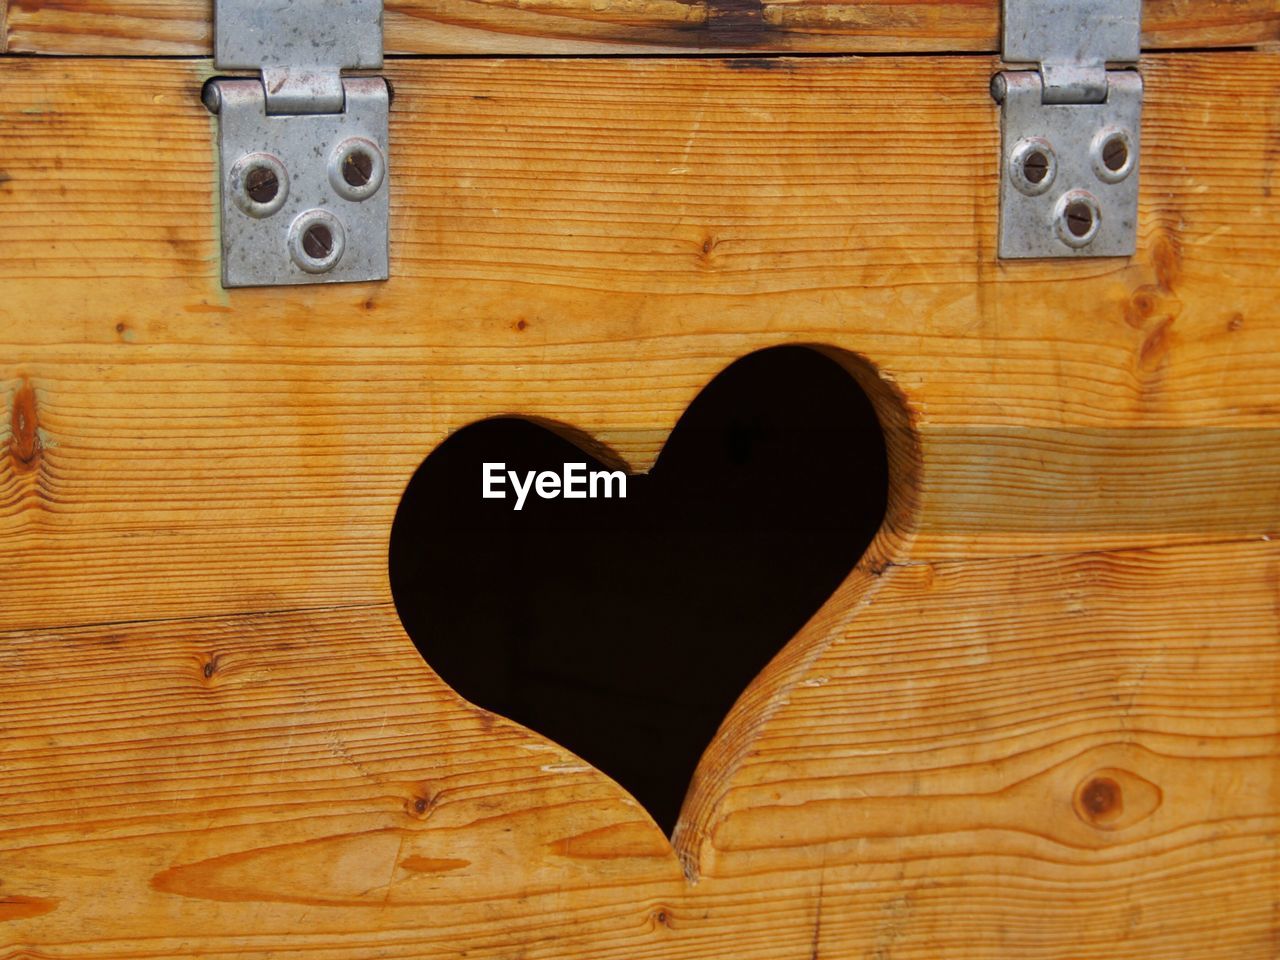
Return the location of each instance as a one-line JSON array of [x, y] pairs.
[[1071, 131], [1079, 207], [265, 243], [305, 192]]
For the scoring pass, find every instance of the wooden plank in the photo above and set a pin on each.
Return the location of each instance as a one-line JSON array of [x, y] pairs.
[[1039, 718], [591, 243], [129, 27], [905, 781]]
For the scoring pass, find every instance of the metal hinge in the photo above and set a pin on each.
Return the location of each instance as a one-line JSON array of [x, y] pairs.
[[1070, 129], [303, 149]]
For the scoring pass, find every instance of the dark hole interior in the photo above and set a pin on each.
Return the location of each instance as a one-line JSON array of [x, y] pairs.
[[625, 629]]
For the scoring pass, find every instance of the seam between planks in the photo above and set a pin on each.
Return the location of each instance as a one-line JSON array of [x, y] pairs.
[[947, 563]]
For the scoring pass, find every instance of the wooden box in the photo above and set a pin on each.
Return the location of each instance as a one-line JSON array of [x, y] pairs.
[[1037, 720]]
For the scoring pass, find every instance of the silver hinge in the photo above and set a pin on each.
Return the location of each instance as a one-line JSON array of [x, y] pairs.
[[1070, 129], [302, 150]]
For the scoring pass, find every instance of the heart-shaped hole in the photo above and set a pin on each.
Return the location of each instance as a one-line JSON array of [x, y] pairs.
[[625, 628]]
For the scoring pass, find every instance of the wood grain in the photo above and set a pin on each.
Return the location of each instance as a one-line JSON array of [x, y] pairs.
[[130, 27], [1038, 721], [177, 449], [300, 785]]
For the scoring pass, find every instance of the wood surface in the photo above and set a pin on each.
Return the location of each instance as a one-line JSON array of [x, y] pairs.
[[299, 785], [1037, 722], [166, 27]]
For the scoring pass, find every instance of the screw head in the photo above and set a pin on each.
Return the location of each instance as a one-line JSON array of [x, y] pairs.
[[262, 184], [357, 168], [258, 184], [1078, 218], [1033, 166], [316, 241], [1113, 153]]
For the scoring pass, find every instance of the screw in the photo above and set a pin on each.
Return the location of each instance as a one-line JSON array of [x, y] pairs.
[[1032, 166], [357, 169], [317, 241], [1079, 218], [1035, 166], [259, 184], [1115, 154], [262, 184]]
